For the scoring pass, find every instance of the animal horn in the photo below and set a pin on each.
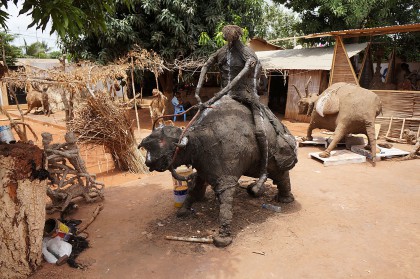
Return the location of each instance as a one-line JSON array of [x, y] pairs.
[[297, 90], [307, 85], [182, 143]]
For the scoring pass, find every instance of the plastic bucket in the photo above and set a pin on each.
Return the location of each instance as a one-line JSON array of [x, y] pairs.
[[54, 228], [180, 193], [6, 134], [181, 187]]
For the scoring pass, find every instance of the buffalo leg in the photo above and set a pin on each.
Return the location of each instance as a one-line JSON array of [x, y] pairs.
[[196, 191], [261, 136], [284, 194], [339, 133], [225, 196]]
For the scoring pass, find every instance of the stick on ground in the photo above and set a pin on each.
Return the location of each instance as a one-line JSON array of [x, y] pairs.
[[190, 239], [95, 213]]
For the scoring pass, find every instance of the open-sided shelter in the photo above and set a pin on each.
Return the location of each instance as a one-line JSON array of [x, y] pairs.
[[298, 65]]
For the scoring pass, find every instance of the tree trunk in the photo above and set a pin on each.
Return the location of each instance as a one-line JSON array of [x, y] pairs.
[[22, 210]]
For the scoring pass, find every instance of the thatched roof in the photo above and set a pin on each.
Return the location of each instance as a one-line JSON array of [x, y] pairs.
[[319, 58]]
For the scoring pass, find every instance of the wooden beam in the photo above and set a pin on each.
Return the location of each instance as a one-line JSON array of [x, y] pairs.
[[333, 65]]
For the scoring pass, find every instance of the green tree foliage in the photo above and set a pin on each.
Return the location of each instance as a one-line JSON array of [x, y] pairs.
[[68, 17], [11, 52], [37, 50], [331, 15], [172, 28], [278, 22]]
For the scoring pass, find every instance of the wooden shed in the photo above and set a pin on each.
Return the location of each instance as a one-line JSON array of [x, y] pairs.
[[295, 66]]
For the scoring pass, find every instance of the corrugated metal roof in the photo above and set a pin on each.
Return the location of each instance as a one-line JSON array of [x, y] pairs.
[[319, 58], [44, 64]]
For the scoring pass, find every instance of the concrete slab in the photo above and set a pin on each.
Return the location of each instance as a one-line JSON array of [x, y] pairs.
[[315, 141], [339, 157], [385, 152]]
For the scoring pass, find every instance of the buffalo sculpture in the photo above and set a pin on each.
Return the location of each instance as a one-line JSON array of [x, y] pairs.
[[343, 108], [221, 145]]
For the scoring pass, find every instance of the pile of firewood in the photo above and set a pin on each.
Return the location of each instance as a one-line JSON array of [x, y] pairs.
[[102, 122]]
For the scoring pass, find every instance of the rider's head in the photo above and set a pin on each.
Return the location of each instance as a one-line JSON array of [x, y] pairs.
[[232, 33]]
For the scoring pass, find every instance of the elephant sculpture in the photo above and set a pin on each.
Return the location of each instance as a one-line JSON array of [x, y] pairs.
[[343, 108], [221, 145]]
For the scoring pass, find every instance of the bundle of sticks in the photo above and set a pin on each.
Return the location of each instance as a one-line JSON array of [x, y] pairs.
[[102, 122]]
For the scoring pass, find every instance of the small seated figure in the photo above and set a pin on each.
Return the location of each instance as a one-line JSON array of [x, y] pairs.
[[178, 106]]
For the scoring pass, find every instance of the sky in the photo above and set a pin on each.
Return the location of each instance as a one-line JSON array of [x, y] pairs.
[[18, 26]]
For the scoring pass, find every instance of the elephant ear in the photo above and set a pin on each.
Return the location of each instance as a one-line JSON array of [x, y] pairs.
[[171, 132], [328, 103]]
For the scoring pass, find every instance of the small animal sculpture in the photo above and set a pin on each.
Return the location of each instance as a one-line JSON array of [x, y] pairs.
[[157, 106], [37, 99], [221, 145], [343, 108]]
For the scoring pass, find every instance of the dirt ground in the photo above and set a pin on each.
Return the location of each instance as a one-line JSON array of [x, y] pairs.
[[348, 221]]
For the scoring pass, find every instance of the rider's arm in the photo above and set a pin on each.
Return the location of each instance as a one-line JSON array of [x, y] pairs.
[[204, 70]]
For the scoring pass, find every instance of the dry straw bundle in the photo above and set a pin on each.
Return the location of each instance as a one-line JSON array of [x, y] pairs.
[[100, 121]]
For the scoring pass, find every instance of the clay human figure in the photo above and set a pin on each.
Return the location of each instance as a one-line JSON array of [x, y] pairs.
[[157, 106], [240, 70]]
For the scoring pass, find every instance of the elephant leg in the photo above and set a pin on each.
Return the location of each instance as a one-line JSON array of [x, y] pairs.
[[284, 193], [196, 191], [309, 132], [370, 132], [225, 194], [339, 133]]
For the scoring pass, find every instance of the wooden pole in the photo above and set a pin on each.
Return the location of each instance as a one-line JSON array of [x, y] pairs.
[[402, 128], [418, 132], [134, 94], [389, 127]]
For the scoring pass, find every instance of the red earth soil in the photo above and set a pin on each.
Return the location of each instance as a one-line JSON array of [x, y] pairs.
[[348, 221]]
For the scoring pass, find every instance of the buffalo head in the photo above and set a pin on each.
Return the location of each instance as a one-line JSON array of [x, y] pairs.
[[160, 146], [306, 104]]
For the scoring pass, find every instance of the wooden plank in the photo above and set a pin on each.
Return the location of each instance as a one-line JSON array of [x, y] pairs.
[[385, 152]]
